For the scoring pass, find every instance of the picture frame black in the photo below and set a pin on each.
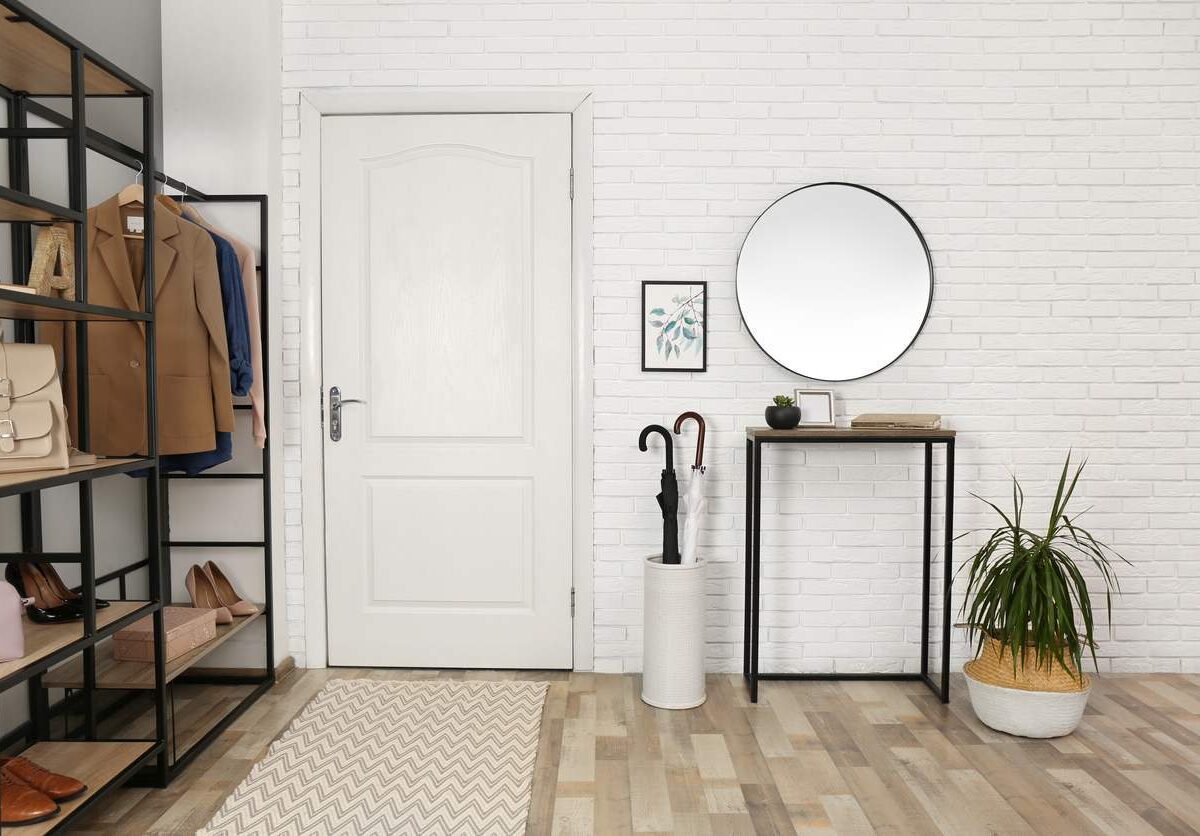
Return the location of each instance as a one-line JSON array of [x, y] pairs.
[[676, 329]]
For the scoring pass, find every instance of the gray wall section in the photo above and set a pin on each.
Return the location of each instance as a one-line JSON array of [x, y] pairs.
[[127, 33]]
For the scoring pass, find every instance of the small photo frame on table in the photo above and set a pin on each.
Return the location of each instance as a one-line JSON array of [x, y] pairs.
[[674, 332], [816, 407]]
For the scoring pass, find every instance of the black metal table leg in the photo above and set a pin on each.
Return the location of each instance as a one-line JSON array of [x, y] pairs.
[[753, 606], [756, 551], [927, 559], [949, 572], [749, 586]]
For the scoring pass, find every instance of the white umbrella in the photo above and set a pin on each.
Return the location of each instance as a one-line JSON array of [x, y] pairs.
[[696, 505], [696, 501]]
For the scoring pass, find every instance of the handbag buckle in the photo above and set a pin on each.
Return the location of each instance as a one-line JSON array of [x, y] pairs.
[[5, 393], [8, 434]]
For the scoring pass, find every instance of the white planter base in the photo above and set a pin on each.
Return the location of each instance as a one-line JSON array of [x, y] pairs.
[[1037, 714], [673, 634]]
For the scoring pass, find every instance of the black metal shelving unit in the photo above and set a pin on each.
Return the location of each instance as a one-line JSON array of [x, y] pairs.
[[72, 656], [40, 60], [114, 677], [181, 671], [263, 681]]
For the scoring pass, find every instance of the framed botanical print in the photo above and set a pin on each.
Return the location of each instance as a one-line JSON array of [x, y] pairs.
[[674, 326]]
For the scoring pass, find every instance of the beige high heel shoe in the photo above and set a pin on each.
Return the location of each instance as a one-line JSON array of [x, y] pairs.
[[226, 594], [204, 596]]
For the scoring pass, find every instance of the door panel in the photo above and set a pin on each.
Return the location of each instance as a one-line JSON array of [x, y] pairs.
[[420, 574], [462, 237], [446, 297]]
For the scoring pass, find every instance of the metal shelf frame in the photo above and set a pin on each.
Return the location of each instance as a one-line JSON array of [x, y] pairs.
[[77, 58], [759, 438], [161, 763], [180, 760]]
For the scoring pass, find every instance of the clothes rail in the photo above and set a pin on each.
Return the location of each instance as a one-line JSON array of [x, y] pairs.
[[261, 683], [97, 141]]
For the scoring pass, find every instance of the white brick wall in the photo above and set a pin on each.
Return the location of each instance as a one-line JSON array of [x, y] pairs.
[[1047, 149]]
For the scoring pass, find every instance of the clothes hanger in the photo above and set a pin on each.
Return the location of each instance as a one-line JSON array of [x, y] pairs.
[[174, 203], [133, 193]]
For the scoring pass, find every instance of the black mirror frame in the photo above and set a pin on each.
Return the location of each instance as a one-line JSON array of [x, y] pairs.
[[903, 214]]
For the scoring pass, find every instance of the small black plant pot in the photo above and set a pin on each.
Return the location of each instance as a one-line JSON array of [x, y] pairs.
[[783, 417]]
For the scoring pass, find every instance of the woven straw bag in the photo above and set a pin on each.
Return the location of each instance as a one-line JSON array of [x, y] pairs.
[[995, 667], [52, 271]]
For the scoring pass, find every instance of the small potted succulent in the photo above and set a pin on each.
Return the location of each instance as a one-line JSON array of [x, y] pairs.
[[1030, 615], [783, 414]]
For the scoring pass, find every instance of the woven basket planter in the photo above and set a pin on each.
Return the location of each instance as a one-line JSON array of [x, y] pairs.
[[1033, 701], [673, 634]]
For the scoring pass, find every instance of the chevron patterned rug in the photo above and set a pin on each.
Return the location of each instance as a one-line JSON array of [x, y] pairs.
[[421, 757]]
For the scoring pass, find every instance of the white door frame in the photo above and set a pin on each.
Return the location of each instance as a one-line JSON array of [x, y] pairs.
[[316, 103]]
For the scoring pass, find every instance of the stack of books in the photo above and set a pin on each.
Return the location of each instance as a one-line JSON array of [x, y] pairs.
[[897, 421]]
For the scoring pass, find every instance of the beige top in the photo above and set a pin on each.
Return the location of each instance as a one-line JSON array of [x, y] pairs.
[[245, 254]]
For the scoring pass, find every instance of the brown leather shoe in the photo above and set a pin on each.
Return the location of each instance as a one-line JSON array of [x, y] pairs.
[[22, 804], [58, 787]]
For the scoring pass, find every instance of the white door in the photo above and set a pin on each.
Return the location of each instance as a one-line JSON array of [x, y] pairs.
[[446, 308]]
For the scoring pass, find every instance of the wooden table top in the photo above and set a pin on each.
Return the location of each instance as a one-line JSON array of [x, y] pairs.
[[847, 434]]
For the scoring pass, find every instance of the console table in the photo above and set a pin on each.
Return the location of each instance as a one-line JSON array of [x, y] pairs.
[[759, 437]]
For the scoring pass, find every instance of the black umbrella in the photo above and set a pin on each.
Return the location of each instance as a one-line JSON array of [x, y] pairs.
[[668, 498]]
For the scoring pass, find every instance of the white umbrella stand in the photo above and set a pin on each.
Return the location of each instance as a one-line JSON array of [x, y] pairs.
[[674, 596]]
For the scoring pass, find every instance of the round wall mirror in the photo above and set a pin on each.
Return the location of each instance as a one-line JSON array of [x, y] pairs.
[[834, 281]]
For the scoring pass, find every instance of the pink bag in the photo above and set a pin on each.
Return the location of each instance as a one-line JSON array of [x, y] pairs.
[[12, 631]]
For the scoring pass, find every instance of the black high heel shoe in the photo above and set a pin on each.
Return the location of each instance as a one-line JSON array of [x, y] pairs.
[[47, 608], [60, 589]]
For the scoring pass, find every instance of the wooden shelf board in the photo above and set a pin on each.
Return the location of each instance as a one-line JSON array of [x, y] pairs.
[[18, 304], [43, 639], [198, 708], [33, 480], [112, 673], [844, 433], [11, 210], [34, 62], [96, 763]]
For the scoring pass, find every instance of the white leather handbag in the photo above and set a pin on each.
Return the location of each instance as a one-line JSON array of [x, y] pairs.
[[33, 421]]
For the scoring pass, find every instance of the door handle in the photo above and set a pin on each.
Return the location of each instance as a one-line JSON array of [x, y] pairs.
[[335, 412]]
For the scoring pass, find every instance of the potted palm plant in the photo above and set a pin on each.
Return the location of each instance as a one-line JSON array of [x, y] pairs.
[[1029, 613]]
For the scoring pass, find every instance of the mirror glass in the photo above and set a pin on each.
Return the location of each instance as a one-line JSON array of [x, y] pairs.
[[834, 281]]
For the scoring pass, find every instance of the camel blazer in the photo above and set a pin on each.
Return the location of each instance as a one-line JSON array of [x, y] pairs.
[[194, 398]]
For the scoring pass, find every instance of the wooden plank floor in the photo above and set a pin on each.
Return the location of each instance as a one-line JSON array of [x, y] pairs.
[[809, 758]]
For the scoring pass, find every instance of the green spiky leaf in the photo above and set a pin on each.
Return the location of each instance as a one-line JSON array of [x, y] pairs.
[[1026, 590]]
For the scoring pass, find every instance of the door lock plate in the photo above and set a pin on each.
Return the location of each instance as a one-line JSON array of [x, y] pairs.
[[335, 412]]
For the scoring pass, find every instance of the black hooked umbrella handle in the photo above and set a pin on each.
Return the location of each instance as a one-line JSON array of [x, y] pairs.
[[699, 437], [661, 430]]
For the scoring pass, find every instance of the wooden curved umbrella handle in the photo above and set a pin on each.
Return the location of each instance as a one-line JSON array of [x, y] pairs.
[[667, 440], [699, 437]]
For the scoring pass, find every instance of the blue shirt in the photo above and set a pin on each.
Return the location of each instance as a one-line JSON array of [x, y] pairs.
[[193, 463], [237, 322]]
